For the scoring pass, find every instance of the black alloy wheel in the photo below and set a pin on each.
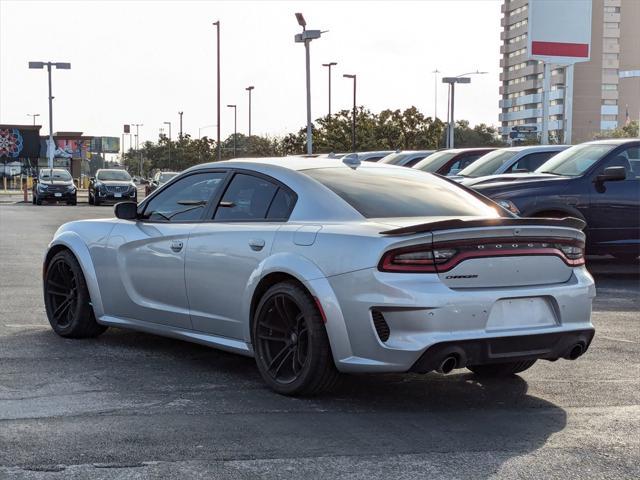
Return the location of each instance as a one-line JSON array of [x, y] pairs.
[[67, 300], [291, 344]]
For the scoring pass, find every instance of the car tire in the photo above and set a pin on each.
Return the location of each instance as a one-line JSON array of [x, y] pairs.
[[96, 201], [90, 199], [38, 201], [66, 298], [33, 198], [291, 345], [73, 201], [501, 369]]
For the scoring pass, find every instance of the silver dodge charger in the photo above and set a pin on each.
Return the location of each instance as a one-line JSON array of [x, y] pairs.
[[316, 266]]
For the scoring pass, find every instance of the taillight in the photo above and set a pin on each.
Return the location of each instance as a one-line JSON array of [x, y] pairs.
[[415, 259], [572, 252]]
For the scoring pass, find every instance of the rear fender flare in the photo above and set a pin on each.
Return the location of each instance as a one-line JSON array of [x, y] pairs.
[[314, 280]]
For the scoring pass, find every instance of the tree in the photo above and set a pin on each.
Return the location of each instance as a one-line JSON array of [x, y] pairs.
[[630, 130]]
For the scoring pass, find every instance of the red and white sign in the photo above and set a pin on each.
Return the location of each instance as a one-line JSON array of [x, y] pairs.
[[560, 31]]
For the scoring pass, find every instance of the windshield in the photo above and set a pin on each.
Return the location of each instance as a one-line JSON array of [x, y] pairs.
[[488, 164], [393, 158], [165, 177], [113, 175], [576, 160], [435, 161], [389, 193], [49, 175]]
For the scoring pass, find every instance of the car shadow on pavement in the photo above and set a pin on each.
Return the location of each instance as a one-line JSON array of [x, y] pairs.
[[137, 387]]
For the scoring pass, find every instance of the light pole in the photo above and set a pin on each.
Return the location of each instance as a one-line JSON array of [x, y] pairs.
[[60, 66], [235, 127], [180, 136], [249, 89], [353, 120], [217, 24], [169, 144], [34, 115], [138, 125], [435, 93], [329, 65], [463, 78], [305, 37]]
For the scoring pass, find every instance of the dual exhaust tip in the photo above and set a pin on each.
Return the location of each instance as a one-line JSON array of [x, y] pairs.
[[451, 362]]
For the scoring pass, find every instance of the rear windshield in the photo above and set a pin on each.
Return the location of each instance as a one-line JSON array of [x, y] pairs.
[[387, 193], [394, 158], [433, 162], [165, 177], [53, 174], [488, 164], [113, 175]]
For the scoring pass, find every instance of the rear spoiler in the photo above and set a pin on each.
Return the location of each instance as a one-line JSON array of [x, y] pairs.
[[568, 222]]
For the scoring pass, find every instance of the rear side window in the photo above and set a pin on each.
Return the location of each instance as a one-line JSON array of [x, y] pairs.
[[387, 192], [532, 161], [249, 198]]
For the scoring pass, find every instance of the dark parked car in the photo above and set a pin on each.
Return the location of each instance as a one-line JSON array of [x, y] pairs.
[[158, 180], [451, 161], [54, 184], [598, 182], [111, 185]]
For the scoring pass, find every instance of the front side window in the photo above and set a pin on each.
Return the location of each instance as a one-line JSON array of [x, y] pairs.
[[488, 164], [576, 160], [113, 176], [387, 193], [530, 162], [251, 198], [186, 199]]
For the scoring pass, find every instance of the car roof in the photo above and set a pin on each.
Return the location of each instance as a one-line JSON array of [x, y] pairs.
[[536, 148], [293, 162], [614, 141]]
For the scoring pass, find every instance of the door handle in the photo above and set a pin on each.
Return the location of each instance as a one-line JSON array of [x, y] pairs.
[[176, 245], [256, 244]]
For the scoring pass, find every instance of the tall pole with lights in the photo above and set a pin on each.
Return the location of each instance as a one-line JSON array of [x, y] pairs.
[[329, 65], [217, 24], [463, 78], [353, 115], [34, 115], [235, 127], [305, 37], [249, 89], [169, 123], [59, 66]]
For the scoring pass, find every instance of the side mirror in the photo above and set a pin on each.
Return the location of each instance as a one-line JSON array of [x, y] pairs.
[[126, 210], [612, 174], [92, 179]]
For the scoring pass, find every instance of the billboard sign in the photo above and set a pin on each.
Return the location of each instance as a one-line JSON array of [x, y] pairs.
[[16, 142], [559, 31], [105, 145]]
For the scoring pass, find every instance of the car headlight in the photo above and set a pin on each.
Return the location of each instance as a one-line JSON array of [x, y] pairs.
[[71, 188], [508, 205], [42, 186]]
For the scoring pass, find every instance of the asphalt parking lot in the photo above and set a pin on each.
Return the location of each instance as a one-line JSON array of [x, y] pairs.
[[132, 405]]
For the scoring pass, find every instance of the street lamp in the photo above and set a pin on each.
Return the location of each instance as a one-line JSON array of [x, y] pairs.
[[435, 93], [180, 136], [248, 89], [353, 120], [169, 123], [217, 24], [34, 115], [329, 65], [235, 126], [463, 78], [305, 37], [138, 125], [60, 66]]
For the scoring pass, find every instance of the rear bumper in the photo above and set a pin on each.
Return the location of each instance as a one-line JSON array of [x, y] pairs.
[[423, 315], [548, 346]]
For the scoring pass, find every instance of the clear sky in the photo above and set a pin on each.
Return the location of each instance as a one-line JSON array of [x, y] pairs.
[[143, 61]]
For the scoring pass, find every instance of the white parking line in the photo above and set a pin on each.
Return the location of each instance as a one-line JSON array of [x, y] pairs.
[[27, 325], [617, 339]]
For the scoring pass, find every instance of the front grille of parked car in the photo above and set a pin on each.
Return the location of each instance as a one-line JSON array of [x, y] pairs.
[[381, 325], [56, 188], [117, 188]]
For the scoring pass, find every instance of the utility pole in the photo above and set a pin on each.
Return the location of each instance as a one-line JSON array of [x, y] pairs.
[[435, 93], [235, 127], [305, 37], [169, 144], [34, 115], [329, 65], [138, 125], [249, 89], [61, 66], [180, 113], [217, 24], [353, 119]]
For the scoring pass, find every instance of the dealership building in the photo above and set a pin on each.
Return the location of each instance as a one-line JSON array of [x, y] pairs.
[[606, 89]]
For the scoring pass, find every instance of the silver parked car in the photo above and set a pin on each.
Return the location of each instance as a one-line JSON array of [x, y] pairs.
[[509, 160], [406, 158], [316, 266]]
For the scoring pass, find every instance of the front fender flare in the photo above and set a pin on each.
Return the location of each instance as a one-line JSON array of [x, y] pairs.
[[74, 242]]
